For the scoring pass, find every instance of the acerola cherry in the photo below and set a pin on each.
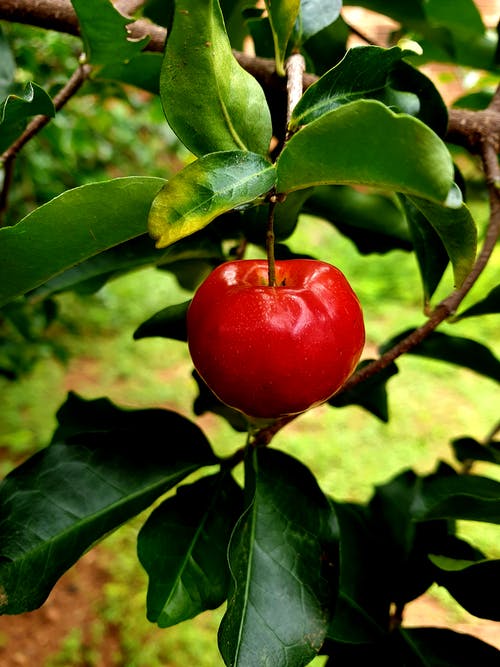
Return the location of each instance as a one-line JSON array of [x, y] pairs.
[[275, 351]]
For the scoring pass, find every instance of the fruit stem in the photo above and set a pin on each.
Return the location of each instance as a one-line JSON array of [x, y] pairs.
[[271, 261]]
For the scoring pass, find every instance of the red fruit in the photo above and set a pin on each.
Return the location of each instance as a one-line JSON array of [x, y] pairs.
[[275, 351]]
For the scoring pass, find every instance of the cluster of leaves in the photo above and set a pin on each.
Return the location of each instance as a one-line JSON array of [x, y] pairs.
[[302, 573]]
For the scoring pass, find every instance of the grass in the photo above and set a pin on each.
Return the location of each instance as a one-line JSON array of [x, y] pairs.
[[350, 451]]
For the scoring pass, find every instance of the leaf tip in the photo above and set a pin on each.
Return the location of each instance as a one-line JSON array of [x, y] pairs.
[[454, 198]]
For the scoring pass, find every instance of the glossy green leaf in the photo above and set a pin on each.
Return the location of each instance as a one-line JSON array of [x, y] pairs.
[[105, 41], [452, 496], [183, 548], [16, 109], [277, 610], [91, 274], [371, 394], [454, 350], [314, 16], [167, 323], [405, 544], [440, 647], [210, 101], [411, 91], [375, 223], [487, 306], [99, 471], [476, 586], [364, 142], [468, 449], [361, 613], [205, 189], [142, 71], [69, 229], [376, 73], [457, 231], [430, 252], [282, 17], [362, 73]]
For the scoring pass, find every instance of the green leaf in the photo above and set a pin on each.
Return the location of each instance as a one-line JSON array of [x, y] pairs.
[[364, 142], [91, 274], [16, 109], [105, 41], [468, 449], [454, 350], [374, 222], [277, 612], [183, 548], [205, 189], [328, 47], [476, 586], [67, 230], [414, 93], [82, 486], [167, 323], [361, 612], [210, 101], [376, 73], [371, 394], [440, 647], [282, 17], [452, 496], [457, 231], [404, 543], [314, 16], [487, 306], [142, 71], [362, 73], [430, 252]]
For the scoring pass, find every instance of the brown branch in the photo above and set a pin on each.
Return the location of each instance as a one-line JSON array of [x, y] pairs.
[[56, 15], [59, 15]]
